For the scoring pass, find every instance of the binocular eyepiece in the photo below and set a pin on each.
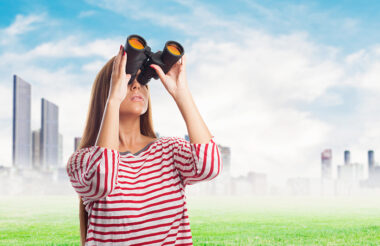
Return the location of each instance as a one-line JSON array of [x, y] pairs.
[[139, 56]]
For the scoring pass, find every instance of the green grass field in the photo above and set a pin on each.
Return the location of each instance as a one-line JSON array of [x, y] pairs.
[[214, 221]]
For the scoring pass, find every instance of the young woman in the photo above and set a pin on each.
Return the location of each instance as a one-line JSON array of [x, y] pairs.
[[131, 184]]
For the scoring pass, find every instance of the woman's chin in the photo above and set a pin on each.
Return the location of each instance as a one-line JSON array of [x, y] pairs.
[[135, 111]]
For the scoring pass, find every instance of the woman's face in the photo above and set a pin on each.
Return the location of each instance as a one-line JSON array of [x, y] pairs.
[[133, 105]]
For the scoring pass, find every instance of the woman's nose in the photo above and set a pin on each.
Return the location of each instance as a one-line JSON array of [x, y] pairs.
[[135, 84]]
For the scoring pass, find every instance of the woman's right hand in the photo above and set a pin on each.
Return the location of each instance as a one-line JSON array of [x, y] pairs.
[[119, 79]]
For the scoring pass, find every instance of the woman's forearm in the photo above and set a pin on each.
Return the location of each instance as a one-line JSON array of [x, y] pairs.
[[196, 127], [83, 222], [108, 135]]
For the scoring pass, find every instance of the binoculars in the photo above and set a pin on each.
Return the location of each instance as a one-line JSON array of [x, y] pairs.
[[141, 57]]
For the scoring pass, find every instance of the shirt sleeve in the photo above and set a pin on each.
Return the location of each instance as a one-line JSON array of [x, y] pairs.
[[196, 162], [93, 171]]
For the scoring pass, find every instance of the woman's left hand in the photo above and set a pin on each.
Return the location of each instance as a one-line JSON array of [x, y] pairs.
[[174, 80]]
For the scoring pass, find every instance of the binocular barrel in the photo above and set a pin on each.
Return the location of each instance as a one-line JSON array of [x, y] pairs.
[[141, 57], [173, 51], [135, 48]]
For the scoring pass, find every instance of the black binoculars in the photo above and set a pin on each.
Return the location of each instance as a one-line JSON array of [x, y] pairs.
[[139, 56]]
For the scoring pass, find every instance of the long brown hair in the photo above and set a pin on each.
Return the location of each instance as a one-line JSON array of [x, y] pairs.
[[98, 99]]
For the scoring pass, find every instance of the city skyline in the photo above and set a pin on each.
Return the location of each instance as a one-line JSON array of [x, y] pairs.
[[349, 177], [47, 144]]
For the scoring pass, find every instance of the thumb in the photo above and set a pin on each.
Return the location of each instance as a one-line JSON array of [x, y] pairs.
[[159, 71], [127, 76]]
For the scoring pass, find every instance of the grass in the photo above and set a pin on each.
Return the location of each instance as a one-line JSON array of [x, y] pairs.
[[53, 220]]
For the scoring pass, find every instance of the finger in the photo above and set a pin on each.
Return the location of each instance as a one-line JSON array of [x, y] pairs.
[[119, 55], [183, 62], [159, 71], [123, 62], [117, 59], [113, 63]]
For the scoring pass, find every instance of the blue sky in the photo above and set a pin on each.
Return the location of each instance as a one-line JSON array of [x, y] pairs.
[[283, 77], [348, 24]]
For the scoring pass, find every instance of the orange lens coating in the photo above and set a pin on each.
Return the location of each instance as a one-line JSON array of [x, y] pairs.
[[135, 43], [173, 49]]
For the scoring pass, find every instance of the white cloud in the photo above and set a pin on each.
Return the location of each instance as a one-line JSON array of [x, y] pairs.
[[21, 25], [94, 66], [87, 13], [249, 89], [70, 47]]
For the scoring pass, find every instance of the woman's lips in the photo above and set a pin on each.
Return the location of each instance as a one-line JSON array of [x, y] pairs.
[[137, 99]]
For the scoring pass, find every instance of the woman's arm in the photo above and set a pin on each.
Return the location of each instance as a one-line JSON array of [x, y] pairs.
[[93, 170], [196, 162], [83, 217], [196, 127], [175, 82], [108, 135], [200, 159], [109, 130], [79, 167]]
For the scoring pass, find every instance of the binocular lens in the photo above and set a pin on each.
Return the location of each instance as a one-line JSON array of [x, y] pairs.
[[136, 43], [174, 49]]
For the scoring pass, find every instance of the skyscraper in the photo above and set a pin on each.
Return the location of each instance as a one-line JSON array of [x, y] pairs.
[[350, 172], [226, 159], [36, 141], [347, 158], [21, 135], [77, 142], [60, 150], [49, 134], [371, 159], [373, 171], [326, 157]]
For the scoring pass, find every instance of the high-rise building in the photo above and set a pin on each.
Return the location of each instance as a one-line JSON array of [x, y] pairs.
[[226, 159], [60, 150], [349, 178], [299, 185], [326, 158], [258, 182], [373, 171], [49, 134], [350, 172], [347, 158], [371, 159], [76, 143], [36, 140], [21, 135]]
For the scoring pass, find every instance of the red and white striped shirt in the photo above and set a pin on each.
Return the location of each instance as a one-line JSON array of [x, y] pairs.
[[139, 199]]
